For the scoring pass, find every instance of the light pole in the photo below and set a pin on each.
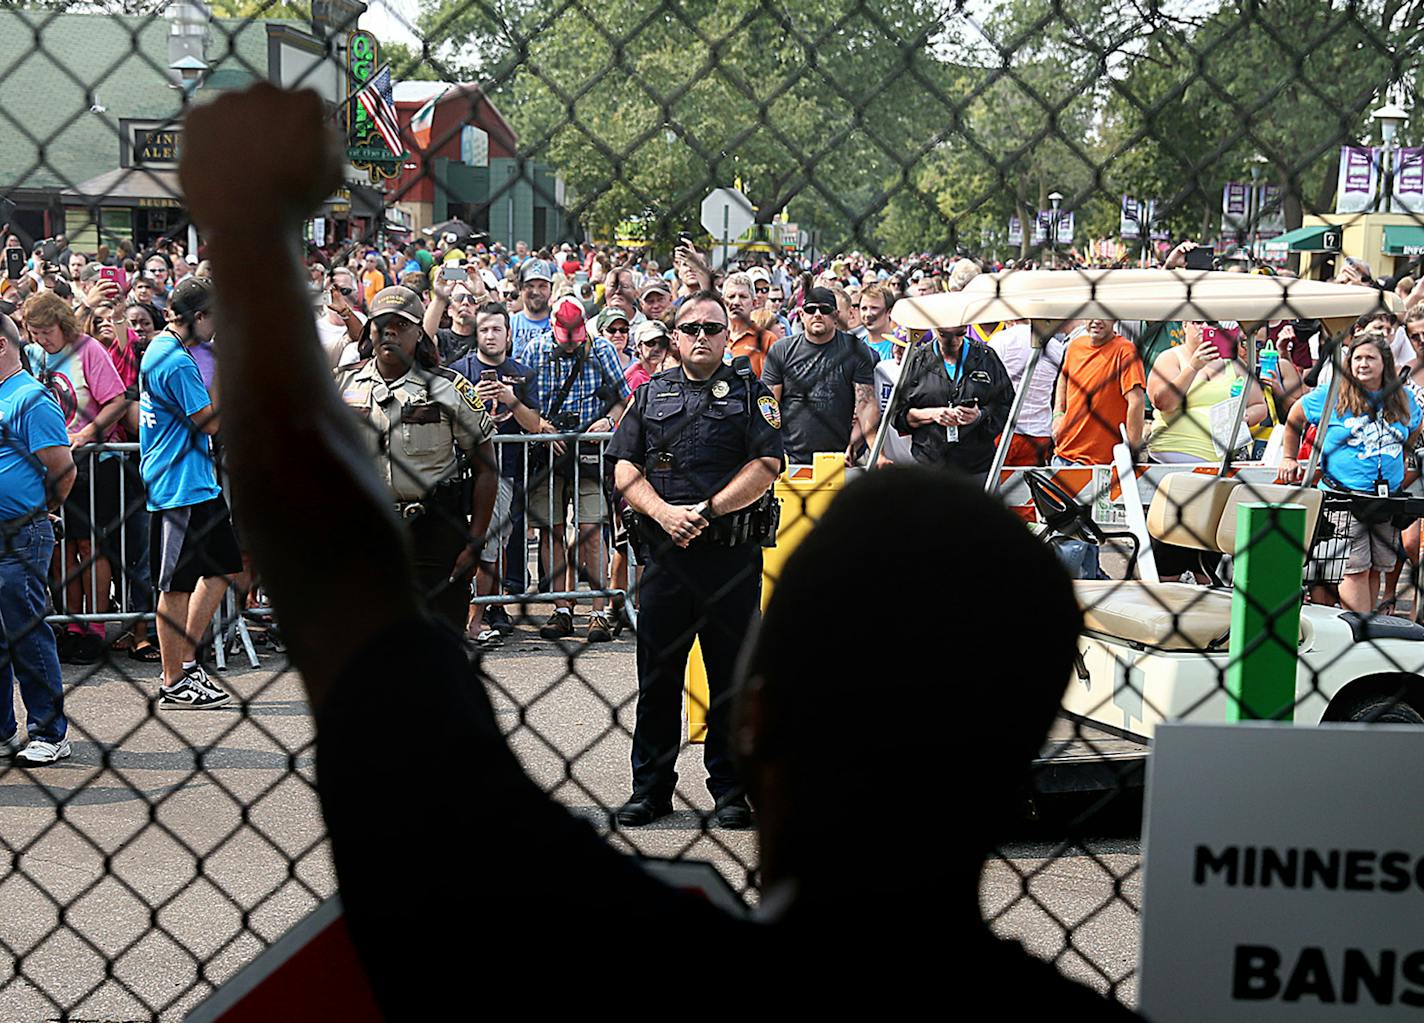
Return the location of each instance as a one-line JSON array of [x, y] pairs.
[[1257, 162], [1390, 117], [1055, 199]]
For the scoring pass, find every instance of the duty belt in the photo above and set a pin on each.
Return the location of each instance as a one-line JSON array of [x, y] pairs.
[[444, 497]]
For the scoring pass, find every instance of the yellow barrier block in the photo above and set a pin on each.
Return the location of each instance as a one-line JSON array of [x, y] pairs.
[[805, 491]]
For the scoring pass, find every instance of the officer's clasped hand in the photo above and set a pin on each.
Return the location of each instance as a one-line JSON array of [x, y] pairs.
[[681, 523]]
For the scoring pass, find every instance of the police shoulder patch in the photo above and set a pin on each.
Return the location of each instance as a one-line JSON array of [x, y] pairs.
[[466, 390], [770, 411]]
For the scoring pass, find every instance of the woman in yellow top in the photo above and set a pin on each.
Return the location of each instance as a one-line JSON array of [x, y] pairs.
[[1186, 384]]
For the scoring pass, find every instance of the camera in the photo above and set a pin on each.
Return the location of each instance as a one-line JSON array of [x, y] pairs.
[[566, 422]]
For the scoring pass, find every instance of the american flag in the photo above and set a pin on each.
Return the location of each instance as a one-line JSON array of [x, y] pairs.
[[375, 96]]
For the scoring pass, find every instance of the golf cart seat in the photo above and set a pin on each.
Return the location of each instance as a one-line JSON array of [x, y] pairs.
[[1191, 510]]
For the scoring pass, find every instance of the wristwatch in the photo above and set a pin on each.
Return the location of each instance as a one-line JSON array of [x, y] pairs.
[[704, 509]]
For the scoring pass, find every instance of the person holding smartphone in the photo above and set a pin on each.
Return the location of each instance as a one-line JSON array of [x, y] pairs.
[[510, 394], [954, 402], [1195, 388]]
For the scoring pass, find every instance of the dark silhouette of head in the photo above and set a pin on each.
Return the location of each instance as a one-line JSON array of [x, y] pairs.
[[858, 740]]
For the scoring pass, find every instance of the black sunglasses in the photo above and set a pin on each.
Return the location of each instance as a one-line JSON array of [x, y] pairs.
[[348, 292], [825, 310], [694, 329], [763, 287]]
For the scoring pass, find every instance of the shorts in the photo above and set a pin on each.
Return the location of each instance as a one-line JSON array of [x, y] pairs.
[[501, 526], [591, 505], [1025, 449], [191, 543], [1366, 547], [96, 480]]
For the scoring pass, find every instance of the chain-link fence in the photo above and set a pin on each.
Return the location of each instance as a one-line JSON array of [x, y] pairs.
[[1116, 264]]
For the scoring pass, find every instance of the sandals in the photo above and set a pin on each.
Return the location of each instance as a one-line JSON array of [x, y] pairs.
[[1386, 607], [146, 652], [124, 642]]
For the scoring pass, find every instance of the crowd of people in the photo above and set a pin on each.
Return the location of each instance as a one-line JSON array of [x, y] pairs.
[[493, 379]]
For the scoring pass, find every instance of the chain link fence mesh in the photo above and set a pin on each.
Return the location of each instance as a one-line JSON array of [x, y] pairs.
[[894, 144]]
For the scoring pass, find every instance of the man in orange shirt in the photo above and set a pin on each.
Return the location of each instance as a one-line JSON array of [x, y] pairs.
[[739, 293], [1100, 389]]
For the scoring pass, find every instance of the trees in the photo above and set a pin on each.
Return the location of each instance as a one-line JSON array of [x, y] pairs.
[[907, 125]]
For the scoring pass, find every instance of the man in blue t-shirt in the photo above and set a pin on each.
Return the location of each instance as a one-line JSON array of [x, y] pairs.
[[193, 552], [36, 474], [531, 324]]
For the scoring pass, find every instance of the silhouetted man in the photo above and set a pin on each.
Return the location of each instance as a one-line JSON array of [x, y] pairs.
[[869, 879]]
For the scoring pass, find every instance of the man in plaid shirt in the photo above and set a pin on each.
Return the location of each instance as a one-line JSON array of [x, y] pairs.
[[581, 390]]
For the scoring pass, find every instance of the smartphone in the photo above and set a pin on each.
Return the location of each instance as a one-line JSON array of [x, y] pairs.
[[109, 273], [1201, 258], [452, 272], [489, 376], [1223, 340], [14, 263], [968, 401]]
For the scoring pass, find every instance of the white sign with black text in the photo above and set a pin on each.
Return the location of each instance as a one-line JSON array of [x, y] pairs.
[[1284, 874]]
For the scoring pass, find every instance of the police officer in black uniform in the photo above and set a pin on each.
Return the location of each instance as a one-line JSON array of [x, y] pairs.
[[954, 400], [694, 459]]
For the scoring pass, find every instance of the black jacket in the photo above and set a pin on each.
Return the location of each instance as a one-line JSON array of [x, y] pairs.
[[926, 384]]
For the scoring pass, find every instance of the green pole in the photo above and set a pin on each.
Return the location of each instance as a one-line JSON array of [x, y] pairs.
[[1265, 612]]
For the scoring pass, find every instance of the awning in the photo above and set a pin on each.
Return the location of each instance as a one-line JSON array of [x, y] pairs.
[[1404, 240], [1303, 239], [128, 186]]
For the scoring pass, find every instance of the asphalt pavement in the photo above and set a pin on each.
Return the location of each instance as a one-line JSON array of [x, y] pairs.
[[178, 845]]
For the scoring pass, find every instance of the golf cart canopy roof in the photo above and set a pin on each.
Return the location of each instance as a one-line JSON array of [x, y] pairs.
[[1152, 295]]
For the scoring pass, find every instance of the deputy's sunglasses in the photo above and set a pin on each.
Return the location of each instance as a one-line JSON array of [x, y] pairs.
[[812, 309], [694, 329]]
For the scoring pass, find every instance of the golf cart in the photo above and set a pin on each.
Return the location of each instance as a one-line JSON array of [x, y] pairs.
[[1155, 651]]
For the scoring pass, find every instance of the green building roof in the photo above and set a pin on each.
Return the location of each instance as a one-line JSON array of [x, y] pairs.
[[67, 79]]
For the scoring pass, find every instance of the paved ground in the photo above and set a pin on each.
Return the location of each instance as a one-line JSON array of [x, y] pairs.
[[138, 848]]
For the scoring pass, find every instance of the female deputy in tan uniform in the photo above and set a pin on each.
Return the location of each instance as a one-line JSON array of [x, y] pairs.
[[422, 420]]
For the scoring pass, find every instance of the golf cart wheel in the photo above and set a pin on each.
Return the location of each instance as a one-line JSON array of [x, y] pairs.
[[1384, 710]]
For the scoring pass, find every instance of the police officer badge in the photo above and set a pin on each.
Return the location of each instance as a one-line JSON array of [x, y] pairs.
[[770, 411], [721, 389]]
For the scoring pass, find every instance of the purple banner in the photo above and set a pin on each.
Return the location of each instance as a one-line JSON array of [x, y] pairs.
[[1359, 171], [1409, 181]]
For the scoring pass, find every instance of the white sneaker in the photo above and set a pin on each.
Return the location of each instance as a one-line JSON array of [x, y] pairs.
[[39, 752], [189, 693]]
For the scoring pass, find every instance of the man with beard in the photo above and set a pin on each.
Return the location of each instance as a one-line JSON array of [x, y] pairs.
[[531, 323], [824, 380], [462, 298]]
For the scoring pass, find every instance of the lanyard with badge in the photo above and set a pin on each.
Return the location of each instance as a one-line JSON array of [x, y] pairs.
[[951, 432]]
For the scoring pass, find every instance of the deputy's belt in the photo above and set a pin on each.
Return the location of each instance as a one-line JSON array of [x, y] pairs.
[[443, 497]]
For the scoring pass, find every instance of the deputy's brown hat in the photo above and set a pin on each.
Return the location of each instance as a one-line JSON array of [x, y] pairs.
[[398, 301]]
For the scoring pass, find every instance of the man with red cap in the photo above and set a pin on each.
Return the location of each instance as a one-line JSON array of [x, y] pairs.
[[581, 390]]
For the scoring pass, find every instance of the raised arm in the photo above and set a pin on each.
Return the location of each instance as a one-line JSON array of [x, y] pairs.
[[287, 433]]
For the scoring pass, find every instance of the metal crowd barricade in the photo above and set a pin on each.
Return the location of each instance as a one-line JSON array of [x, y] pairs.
[[86, 460], [533, 507]]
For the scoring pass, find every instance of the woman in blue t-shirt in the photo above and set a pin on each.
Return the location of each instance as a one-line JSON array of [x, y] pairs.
[[1374, 422]]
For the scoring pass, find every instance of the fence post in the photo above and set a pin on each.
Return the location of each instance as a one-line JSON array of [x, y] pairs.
[[1267, 574]]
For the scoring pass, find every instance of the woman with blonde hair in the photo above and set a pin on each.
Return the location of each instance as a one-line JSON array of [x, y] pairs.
[[80, 374]]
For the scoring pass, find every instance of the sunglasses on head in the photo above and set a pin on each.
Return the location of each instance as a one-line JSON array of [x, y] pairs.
[[825, 310], [694, 329]]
